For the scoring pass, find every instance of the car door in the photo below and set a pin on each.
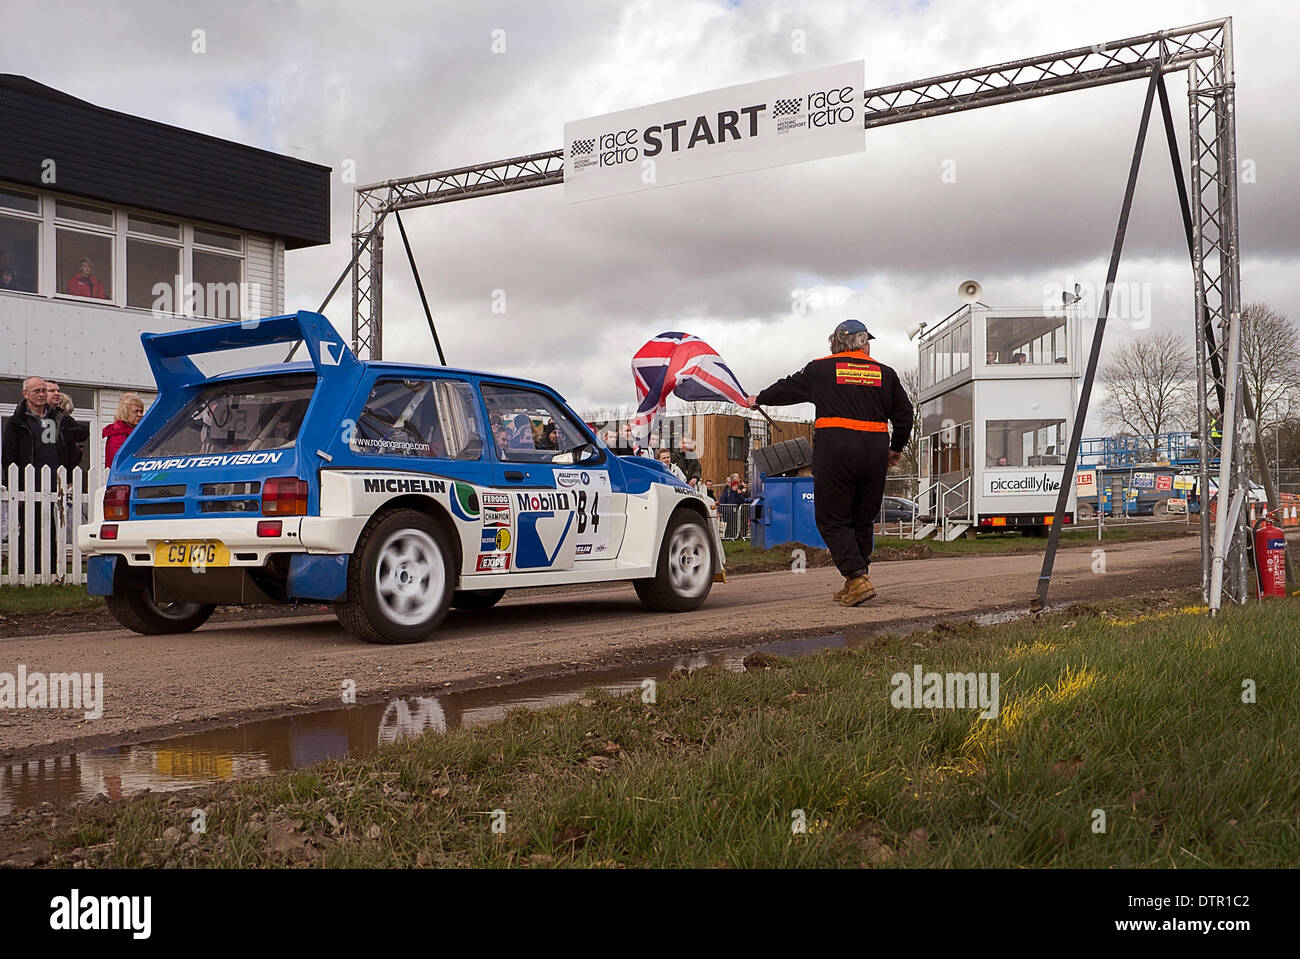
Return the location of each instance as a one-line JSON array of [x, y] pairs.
[[563, 487]]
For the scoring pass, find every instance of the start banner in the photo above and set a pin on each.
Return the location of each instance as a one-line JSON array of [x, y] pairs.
[[802, 116]]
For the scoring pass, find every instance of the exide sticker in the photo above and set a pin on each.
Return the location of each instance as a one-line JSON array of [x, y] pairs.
[[493, 563]]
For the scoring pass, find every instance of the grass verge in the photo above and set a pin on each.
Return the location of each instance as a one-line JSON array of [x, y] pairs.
[[1133, 711], [46, 599]]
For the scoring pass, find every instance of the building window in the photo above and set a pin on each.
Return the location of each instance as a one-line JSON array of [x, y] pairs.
[[153, 266], [1024, 442], [84, 264], [89, 236], [217, 275], [1020, 340], [84, 213], [20, 241], [218, 239], [736, 448]]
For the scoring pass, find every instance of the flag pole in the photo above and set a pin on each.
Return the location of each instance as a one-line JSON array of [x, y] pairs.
[[769, 419]]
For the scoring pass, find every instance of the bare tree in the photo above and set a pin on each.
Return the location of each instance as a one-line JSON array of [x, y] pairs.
[[1268, 358], [1149, 384], [911, 380]]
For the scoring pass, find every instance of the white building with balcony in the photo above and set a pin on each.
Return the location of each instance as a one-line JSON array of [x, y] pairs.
[[112, 225], [998, 393]]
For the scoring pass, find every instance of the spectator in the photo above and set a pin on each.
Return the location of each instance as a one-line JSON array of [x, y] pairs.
[[729, 507], [34, 436], [78, 433], [1019, 358], [7, 279], [550, 437], [688, 459], [1002, 461], [129, 410], [666, 457], [521, 434], [991, 358], [693, 482], [84, 282]]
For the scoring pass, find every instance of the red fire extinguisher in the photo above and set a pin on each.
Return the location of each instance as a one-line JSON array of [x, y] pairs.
[[1270, 558]]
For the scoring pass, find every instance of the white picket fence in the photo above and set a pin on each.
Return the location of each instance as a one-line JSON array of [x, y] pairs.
[[64, 506]]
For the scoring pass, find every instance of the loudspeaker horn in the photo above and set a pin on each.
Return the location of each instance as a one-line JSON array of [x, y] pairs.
[[970, 291]]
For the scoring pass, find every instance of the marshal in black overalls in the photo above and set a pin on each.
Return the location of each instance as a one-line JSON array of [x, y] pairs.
[[857, 399]]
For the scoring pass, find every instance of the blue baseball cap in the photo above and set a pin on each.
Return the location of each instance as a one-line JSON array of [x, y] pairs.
[[853, 326]]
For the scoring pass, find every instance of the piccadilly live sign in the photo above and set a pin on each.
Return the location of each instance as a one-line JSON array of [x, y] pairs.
[[803, 116]]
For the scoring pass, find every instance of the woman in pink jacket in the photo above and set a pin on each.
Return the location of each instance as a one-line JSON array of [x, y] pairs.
[[129, 410]]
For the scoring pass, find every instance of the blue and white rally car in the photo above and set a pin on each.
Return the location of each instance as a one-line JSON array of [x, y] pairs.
[[389, 489]]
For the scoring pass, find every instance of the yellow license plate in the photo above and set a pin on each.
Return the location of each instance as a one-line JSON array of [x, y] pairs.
[[197, 554]]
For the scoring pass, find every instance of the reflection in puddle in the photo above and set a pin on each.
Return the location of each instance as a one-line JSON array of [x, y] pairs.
[[290, 742]]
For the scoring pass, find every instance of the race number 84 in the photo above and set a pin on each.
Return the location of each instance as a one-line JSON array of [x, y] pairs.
[[584, 516]]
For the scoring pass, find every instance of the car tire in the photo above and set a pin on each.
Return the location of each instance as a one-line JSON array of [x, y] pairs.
[[136, 610], [684, 575], [1161, 510], [476, 598], [401, 577], [1085, 511]]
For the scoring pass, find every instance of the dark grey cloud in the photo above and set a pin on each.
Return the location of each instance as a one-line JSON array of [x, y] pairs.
[[404, 88]]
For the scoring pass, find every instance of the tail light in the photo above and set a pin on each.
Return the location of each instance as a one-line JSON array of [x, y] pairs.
[[286, 496], [117, 502]]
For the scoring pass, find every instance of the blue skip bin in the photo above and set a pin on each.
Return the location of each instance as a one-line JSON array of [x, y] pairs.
[[784, 513]]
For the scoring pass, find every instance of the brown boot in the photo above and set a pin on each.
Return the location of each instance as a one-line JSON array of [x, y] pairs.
[[856, 591], [839, 593]]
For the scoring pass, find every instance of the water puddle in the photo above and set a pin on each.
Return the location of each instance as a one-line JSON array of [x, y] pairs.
[[290, 742]]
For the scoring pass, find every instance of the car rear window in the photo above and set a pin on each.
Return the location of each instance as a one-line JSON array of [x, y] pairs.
[[237, 416]]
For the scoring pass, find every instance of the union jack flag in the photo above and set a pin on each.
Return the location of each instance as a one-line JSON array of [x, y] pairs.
[[683, 365]]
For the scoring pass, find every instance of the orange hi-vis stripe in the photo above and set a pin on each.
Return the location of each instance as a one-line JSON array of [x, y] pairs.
[[844, 423]]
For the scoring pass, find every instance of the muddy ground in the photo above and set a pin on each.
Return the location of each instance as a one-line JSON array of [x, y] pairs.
[[228, 672]]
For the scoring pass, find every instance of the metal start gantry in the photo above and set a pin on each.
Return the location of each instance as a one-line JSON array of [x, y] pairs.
[[1209, 207]]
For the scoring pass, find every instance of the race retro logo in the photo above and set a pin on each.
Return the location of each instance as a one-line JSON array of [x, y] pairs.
[[606, 150], [815, 110], [493, 563], [495, 540], [857, 374]]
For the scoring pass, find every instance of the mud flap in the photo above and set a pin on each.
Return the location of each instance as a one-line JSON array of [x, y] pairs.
[[720, 573]]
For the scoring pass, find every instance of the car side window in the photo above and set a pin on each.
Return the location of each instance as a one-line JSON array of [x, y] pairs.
[[531, 427], [433, 419]]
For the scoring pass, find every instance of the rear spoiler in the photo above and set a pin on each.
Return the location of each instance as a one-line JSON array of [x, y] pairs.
[[169, 353]]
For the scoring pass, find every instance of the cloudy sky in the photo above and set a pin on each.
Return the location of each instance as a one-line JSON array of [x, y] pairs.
[[407, 88]]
